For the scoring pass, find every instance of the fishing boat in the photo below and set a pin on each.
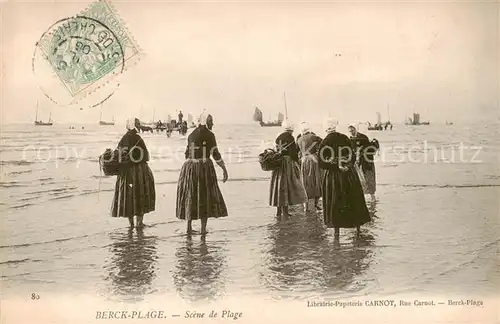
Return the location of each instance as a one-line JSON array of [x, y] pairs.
[[276, 123], [415, 121], [257, 115], [42, 123], [106, 123], [449, 123]]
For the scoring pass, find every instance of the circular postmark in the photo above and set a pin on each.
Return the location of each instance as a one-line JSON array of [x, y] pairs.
[[76, 58]]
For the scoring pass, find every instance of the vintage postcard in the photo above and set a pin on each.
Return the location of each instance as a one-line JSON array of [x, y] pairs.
[[249, 161]]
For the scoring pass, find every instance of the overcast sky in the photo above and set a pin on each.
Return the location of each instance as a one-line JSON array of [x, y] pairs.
[[441, 59]]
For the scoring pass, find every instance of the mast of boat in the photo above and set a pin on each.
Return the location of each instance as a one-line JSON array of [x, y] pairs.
[[286, 108], [388, 114], [154, 110], [36, 114], [50, 117], [100, 117]]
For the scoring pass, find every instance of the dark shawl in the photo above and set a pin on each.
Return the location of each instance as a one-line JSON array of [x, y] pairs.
[[287, 140], [334, 147], [202, 144], [133, 142]]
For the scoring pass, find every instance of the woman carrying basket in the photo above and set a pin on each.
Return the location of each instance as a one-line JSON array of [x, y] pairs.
[[286, 188], [135, 186]]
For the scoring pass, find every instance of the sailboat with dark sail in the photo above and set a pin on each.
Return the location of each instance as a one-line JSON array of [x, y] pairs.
[[415, 121], [106, 123], [257, 116], [42, 123]]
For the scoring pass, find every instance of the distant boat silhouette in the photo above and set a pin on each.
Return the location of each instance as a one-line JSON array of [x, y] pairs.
[[105, 123], [258, 117], [416, 120], [42, 123], [276, 123]]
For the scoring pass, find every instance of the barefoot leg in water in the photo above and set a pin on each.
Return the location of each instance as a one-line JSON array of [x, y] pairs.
[[336, 236], [306, 206], [278, 211], [285, 211], [204, 226], [140, 223], [316, 203], [358, 231], [189, 227], [131, 221]]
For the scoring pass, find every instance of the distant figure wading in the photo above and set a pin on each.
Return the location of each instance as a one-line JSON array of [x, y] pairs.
[[198, 193]]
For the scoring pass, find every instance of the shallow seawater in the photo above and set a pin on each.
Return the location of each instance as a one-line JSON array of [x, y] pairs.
[[435, 221]]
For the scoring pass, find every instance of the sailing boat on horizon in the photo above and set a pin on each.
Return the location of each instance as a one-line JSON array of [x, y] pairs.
[[415, 121], [42, 123], [276, 123], [106, 123]]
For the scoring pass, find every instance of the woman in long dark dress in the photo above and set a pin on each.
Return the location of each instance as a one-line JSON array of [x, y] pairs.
[[365, 153], [198, 193], [286, 188], [344, 203], [310, 172], [135, 186]]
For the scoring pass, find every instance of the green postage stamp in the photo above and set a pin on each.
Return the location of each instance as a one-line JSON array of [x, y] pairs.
[[86, 51]]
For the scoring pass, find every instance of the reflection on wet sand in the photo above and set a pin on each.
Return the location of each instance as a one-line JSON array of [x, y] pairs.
[[303, 258], [133, 263], [197, 275]]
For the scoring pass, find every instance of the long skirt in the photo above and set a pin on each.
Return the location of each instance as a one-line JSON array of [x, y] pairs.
[[361, 177], [134, 192], [371, 182], [344, 203], [286, 188], [198, 193], [311, 176]]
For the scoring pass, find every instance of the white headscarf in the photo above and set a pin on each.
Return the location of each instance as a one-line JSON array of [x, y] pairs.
[[330, 125], [353, 125], [202, 120], [287, 125], [131, 123], [304, 127]]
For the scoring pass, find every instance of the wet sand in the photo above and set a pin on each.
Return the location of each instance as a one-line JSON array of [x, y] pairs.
[[435, 229]]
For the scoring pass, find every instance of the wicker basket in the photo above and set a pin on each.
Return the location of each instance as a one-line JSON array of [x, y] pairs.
[[270, 160], [112, 163]]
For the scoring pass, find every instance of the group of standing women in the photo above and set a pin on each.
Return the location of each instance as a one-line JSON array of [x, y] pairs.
[[311, 168], [329, 168], [198, 193]]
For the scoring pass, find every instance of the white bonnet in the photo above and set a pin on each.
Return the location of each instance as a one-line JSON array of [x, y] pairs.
[[131, 123], [287, 125], [330, 125]]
